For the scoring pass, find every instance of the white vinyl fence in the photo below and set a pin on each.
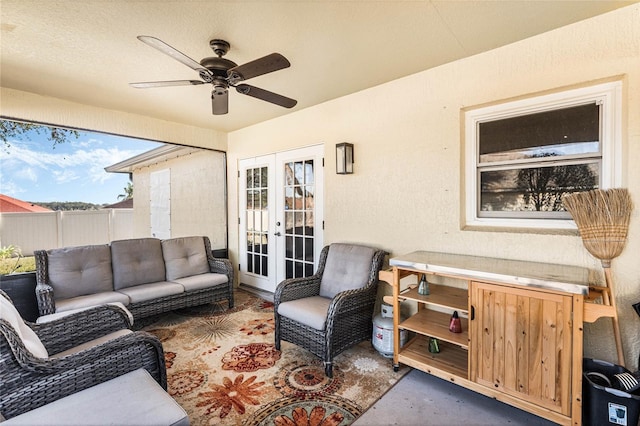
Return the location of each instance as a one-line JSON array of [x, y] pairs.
[[47, 230]]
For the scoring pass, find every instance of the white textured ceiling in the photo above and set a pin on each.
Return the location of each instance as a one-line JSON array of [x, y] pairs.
[[86, 51]]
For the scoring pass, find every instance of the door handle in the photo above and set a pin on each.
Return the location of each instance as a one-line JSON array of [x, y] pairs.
[[473, 313], [277, 234]]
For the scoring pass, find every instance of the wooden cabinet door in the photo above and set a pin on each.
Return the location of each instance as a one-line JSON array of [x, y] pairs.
[[521, 343]]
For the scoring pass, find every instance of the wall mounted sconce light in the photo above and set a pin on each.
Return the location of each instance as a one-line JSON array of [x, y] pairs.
[[344, 158]]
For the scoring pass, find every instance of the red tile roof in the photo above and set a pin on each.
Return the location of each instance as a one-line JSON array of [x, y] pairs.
[[13, 205]]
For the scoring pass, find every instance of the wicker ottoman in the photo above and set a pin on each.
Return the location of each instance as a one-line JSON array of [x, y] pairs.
[[132, 399]]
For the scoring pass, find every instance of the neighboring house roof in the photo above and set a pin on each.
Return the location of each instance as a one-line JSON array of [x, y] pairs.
[[13, 205], [124, 204]]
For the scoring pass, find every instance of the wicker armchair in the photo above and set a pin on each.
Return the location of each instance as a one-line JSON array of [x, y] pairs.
[[333, 309], [41, 363]]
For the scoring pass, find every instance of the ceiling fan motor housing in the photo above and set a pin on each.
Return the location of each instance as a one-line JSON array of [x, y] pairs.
[[218, 66]]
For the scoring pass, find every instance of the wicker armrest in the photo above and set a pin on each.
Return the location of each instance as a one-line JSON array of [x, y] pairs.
[[30, 382], [80, 327], [352, 300], [221, 266], [44, 292], [297, 288], [44, 296]]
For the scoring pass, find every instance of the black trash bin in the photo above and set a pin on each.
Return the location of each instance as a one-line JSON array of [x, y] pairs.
[[602, 404]]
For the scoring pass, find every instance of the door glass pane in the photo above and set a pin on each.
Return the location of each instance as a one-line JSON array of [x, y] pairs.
[[299, 213], [257, 220]]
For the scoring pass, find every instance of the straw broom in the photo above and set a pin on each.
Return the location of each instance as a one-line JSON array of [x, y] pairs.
[[602, 217]]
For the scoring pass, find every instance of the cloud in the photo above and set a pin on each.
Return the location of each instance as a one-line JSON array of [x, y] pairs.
[[87, 159], [11, 189], [28, 173], [72, 170], [64, 176]]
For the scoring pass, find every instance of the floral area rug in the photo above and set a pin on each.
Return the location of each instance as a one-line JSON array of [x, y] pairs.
[[223, 369]]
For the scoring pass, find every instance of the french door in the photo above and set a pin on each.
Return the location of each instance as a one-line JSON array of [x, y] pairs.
[[281, 216]]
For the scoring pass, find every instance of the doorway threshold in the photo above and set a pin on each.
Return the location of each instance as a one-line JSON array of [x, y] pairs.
[[263, 294]]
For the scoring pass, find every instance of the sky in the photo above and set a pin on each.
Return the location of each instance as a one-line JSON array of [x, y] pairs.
[[32, 169]]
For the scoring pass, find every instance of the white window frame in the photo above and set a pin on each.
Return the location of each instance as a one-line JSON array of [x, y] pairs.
[[608, 95]]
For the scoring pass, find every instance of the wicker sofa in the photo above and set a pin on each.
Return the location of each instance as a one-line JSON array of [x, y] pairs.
[[147, 275]]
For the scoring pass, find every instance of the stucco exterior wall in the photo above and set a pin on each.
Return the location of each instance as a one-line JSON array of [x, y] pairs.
[[406, 193], [198, 205]]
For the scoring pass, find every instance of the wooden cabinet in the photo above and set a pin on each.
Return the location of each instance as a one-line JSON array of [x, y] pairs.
[[522, 343], [521, 339]]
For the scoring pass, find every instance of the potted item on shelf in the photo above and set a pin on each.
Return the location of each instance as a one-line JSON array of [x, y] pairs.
[[423, 286], [455, 325]]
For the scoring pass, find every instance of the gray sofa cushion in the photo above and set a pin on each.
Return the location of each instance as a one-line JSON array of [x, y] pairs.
[[137, 261], [131, 399], [144, 292], [184, 257], [77, 271], [90, 300], [311, 311], [198, 282], [347, 268]]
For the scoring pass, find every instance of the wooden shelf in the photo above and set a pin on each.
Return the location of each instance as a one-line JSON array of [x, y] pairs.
[[451, 360], [598, 304], [387, 275], [441, 295], [436, 324]]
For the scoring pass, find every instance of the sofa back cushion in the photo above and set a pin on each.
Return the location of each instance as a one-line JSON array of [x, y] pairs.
[[185, 257], [78, 271], [137, 261], [348, 267]]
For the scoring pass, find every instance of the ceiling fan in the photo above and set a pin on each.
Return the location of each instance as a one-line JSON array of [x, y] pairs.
[[222, 73]]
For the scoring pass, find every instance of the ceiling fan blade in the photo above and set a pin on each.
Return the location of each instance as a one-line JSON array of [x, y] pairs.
[[264, 65], [266, 95], [220, 103], [177, 55], [149, 84]]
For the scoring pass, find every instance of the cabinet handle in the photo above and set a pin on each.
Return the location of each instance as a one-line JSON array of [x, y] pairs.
[[472, 315]]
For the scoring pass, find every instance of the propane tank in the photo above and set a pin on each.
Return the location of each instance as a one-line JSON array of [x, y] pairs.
[[382, 338]]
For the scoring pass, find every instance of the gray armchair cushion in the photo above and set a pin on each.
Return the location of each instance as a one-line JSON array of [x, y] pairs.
[[184, 257], [137, 261], [311, 311], [52, 317], [78, 271], [347, 268], [91, 343], [30, 339]]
